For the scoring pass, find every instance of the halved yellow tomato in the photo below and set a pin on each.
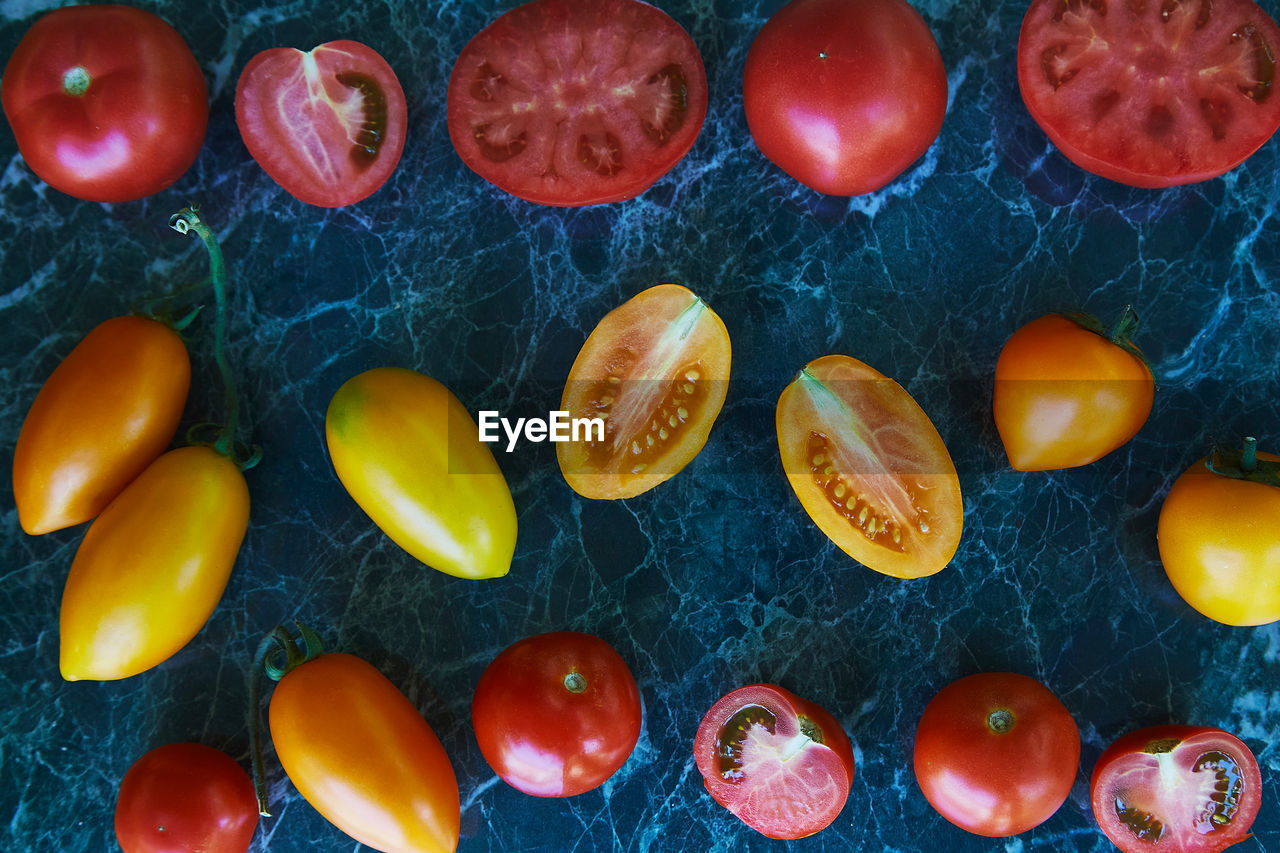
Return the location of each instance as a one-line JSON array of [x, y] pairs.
[[655, 371], [870, 468], [153, 565], [410, 455]]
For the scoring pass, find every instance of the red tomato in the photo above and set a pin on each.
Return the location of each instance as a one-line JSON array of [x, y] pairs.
[[104, 414], [781, 764], [1151, 94], [996, 753], [106, 102], [363, 756], [557, 714], [576, 102], [327, 124], [843, 95], [1182, 789], [185, 797]]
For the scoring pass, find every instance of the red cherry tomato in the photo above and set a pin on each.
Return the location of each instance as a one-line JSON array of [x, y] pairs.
[[557, 714], [1181, 789], [996, 753], [327, 124], [576, 102], [781, 764], [185, 797], [1151, 94], [843, 95], [107, 102]]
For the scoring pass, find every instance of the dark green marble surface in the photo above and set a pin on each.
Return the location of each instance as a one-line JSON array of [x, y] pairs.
[[717, 578]]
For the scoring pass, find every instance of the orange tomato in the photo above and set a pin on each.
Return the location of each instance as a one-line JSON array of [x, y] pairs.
[[362, 755], [1067, 395], [870, 468], [153, 566], [656, 371], [103, 415]]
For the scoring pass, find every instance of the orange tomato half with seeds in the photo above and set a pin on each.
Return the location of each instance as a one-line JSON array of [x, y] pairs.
[[870, 468], [655, 371]]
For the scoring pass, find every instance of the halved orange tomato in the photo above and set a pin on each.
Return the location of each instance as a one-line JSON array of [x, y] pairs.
[[655, 371], [870, 468]]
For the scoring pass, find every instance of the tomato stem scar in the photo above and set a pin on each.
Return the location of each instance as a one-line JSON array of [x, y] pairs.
[[75, 81], [575, 682], [1243, 463], [1000, 720]]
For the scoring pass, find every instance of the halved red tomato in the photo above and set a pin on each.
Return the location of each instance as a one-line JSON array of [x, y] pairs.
[[1151, 94], [781, 764], [576, 102], [327, 124], [655, 370], [870, 468], [1189, 789]]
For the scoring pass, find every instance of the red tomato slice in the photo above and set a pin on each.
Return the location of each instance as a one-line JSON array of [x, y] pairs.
[[781, 764], [1151, 94], [327, 124], [576, 102], [1190, 789]]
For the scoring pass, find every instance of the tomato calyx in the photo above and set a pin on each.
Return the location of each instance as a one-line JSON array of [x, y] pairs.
[[1243, 464], [1120, 333]]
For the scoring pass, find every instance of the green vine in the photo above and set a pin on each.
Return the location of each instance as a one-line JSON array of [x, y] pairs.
[[1242, 463]]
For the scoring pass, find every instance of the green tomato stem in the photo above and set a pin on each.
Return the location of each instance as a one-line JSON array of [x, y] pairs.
[[1243, 464], [1120, 334]]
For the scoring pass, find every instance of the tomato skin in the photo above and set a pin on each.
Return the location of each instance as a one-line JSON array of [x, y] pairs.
[[153, 566], [788, 782], [105, 413], [137, 127], [882, 463], [996, 753], [1066, 396], [547, 735], [328, 124], [1218, 545], [844, 95], [660, 353], [1152, 773], [185, 797], [362, 756], [408, 452]]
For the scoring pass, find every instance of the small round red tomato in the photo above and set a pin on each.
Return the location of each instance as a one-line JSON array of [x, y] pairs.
[[781, 764], [557, 714], [1068, 392], [1219, 536], [104, 414], [843, 95], [1182, 789], [1151, 94], [185, 797], [107, 103], [327, 124], [996, 753], [577, 102]]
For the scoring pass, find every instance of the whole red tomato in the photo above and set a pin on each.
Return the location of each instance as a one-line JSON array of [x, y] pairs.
[[781, 764], [996, 753], [557, 714], [185, 797], [107, 102], [1176, 789], [843, 95]]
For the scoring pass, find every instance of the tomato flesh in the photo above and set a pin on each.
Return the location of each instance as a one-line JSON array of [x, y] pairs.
[[656, 369], [870, 468], [577, 102], [1151, 93]]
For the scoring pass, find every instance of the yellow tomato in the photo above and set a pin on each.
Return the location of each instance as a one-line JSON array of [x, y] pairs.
[[1219, 540], [153, 566], [410, 455]]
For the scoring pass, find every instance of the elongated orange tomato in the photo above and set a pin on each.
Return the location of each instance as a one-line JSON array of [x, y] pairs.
[[153, 565], [363, 756], [655, 371], [410, 455], [870, 468], [107, 411]]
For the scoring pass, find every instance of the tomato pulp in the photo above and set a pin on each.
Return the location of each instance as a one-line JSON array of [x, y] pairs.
[[577, 102]]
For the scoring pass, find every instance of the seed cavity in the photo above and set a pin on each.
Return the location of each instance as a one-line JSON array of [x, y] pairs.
[[670, 104], [1264, 62], [665, 424], [373, 130], [733, 735], [601, 152], [879, 526], [1228, 788]]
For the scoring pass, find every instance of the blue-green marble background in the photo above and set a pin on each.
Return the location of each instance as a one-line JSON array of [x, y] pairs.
[[717, 578]]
